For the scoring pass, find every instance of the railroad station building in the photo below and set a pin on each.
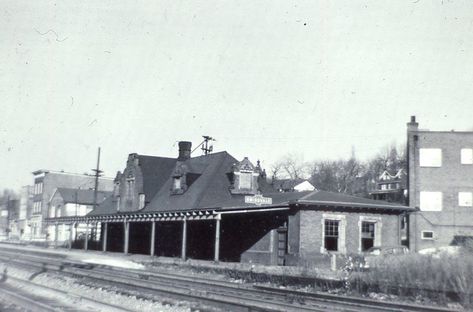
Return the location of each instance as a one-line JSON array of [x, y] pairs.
[[214, 207]]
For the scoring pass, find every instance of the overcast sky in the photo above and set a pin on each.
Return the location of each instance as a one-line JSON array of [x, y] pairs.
[[265, 78]]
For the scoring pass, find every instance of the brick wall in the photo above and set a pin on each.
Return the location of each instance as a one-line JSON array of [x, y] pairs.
[[311, 232], [450, 179]]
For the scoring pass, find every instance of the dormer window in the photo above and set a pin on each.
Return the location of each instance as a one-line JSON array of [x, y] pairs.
[[142, 201], [246, 178], [179, 179], [118, 203], [176, 183]]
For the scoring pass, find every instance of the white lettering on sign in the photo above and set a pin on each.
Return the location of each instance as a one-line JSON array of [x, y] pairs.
[[258, 200]]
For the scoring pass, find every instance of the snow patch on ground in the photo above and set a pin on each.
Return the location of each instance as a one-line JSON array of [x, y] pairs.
[[447, 250], [115, 262]]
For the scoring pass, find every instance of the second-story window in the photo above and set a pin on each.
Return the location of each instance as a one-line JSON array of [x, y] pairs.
[[38, 188], [467, 156], [465, 199], [430, 157]]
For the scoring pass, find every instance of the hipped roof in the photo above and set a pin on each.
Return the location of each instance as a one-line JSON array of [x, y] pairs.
[[211, 190]]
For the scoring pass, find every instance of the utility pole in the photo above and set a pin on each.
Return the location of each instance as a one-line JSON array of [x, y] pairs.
[[98, 173]]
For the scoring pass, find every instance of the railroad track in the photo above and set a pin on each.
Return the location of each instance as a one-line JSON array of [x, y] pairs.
[[39, 298], [221, 294]]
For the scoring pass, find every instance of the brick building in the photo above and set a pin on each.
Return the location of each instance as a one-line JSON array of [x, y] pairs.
[[440, 183], [214, 207], [45, 184]]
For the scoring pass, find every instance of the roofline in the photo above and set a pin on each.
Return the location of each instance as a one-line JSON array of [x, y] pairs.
[[350, 204], [443, 131], [138, 154], [37, 172]]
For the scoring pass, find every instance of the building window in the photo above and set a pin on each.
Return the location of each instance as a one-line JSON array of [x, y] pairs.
[[467, 156], [176, 183], [38, 188], [465, 199], [427, 235], [331, 235], [142, 201], [37, 207], [383, 186], [130, 187], [118, 203], [430, 157], [431, 201], [367, 235], [245, 180]]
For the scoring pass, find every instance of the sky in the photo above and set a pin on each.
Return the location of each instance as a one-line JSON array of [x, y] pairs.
[[264, 78]]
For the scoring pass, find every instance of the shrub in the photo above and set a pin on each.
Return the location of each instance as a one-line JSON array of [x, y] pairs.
[[436, 277]]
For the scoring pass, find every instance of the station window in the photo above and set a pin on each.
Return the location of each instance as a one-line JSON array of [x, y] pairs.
[[467, 156], [118, 203], [431, 201], [430, 157], [245, 180], [465, 199], [331, 235], [176, 183], [427, 235], [367, 235], [142, 201]]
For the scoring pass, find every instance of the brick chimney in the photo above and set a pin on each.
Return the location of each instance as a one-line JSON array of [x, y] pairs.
[[412, 125], [184, 150]]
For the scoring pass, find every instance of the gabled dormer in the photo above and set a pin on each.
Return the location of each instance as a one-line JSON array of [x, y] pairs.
[[128, 191], [179, 179], [245, 177]]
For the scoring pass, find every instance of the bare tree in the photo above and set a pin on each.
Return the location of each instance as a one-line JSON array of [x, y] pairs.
[[336, 175], [290, 166]]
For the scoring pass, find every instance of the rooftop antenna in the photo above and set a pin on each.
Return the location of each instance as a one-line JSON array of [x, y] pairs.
[[205, 146]]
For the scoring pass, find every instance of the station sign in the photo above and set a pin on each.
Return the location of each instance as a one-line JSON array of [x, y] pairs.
[[258, 200]]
